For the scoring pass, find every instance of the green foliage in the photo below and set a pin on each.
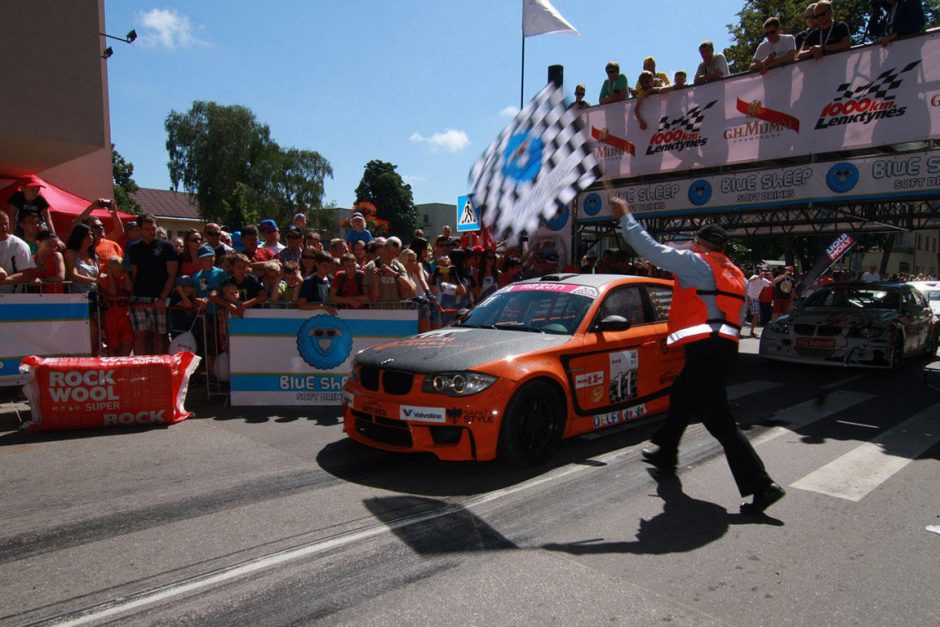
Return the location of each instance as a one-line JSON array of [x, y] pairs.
[[225, 157], [383, 186], [124, 185], [749, 31]]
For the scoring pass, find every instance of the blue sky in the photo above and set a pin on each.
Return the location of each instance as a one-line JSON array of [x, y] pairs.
[[423, 84]]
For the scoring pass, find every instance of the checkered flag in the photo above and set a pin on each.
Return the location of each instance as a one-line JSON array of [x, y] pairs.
[[691, 122], [880, 88], [536, 166]]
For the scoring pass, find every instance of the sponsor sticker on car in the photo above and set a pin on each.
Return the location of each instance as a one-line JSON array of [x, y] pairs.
[[423, 414], [816, 342]]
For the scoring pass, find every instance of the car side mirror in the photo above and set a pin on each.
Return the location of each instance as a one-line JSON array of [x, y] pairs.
[[612, 323]]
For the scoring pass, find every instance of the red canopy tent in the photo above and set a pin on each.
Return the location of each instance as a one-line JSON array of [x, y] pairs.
[[63, 205]]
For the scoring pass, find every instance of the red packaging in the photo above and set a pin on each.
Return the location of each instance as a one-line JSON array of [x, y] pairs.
[[95, 392]]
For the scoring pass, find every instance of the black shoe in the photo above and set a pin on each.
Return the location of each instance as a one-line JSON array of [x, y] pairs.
[[763, 499], [658, 458]]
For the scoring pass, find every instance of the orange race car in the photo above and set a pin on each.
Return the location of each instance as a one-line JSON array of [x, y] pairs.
[[538, 361]]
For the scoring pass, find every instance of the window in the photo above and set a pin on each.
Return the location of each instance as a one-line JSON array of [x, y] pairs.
[[661, 299], [624, 301]]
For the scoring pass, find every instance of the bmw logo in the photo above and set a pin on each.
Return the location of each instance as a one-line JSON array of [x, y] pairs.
[[523, 157], [700, 192], [592, 204], [324, 341], [842, 177]]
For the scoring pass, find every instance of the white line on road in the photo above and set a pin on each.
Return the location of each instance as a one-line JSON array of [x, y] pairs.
[[808, 412], [857, 424], [844, 381], [870, 464]]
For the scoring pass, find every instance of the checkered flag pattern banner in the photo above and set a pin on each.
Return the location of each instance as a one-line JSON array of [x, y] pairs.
[[536, 167], [691, 122], [880, 88]]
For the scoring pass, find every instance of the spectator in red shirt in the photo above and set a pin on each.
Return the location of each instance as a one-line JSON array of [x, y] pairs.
[[251, 249]]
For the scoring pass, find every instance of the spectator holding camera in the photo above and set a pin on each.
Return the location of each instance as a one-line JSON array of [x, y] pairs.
[[386, 280]]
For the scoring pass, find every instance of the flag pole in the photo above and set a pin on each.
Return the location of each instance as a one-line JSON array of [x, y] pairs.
[[522, 75]]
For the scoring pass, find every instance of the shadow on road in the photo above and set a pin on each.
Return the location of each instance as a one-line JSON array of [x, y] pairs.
[[685, 524]]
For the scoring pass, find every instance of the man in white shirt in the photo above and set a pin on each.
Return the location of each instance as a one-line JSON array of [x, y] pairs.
[[713, 67], [872, 275], [776, 50], [755, 285], [16, 264]]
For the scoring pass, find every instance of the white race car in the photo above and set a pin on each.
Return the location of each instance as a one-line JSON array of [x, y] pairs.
[[873, 325]]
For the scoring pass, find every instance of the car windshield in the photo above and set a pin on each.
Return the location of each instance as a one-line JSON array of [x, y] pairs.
[[860, 297], [536, 307]]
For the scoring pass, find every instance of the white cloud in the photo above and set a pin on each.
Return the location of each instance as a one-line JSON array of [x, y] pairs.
[[451, 140], [167, 28], [508, 112], [411, 179]]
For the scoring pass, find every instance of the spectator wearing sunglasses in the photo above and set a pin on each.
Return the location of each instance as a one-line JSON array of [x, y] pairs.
[[828, 37], [579, 101], [213, 235], [809, 16], [778, 48], [615, 87]]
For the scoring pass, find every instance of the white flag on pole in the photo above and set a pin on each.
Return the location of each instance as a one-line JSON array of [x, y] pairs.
[[540, 17], [535, 168]]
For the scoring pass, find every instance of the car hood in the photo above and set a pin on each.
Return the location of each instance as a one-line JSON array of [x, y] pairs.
[[837, 316], [456, 348]]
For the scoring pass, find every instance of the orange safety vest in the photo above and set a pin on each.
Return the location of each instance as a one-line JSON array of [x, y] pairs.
[[688, 315]]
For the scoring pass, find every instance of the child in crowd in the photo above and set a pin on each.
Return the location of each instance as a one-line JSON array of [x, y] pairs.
[[207, 280], [117, 321], [230, 304], [291, 279], [183, 307], [347, 286]]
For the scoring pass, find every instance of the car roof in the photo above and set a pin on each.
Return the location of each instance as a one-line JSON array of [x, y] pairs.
[[594, 280], [881, 285]]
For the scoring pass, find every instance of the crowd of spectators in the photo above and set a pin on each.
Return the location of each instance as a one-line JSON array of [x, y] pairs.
[[824, 35]]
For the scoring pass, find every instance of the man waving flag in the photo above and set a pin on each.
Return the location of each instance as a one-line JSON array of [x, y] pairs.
[[536, 167]]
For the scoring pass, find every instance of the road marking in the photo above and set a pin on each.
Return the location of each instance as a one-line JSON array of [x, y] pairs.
[[864, 468], [148, 597], [808, 412], [857, 424], [844, 381]]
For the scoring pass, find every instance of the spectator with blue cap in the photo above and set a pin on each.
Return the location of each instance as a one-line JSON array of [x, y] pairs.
[[271, 235]]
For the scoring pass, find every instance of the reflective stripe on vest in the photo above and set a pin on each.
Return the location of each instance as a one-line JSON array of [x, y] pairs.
[[688, 319], [704, 330]]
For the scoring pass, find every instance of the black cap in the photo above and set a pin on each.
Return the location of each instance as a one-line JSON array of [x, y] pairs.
[[713, 234]]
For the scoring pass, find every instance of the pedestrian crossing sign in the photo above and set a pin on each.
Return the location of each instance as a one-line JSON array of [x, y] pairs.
[[467, 217]]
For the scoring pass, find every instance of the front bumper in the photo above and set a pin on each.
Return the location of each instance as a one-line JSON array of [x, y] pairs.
[[453, 429]]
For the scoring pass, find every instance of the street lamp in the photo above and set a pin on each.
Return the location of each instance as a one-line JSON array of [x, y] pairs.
[[129, 39]]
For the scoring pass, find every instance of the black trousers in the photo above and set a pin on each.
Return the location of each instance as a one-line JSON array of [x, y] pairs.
[[700, 391]]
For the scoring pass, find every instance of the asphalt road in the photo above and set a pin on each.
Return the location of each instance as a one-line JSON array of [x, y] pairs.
[[242, 517]]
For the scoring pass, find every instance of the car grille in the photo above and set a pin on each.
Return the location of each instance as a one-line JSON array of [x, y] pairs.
[[813, 353], [828, 331], [393, 382], [382, 430]]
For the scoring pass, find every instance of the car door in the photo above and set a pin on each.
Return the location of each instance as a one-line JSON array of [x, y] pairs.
[[914, 307], [615, 374]]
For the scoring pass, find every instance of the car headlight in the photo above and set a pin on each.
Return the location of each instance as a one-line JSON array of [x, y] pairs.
[[870, 332], [779, 326], [456, 383]]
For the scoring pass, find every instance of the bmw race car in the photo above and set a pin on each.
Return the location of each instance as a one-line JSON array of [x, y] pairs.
[[536, 362], [872, 325]]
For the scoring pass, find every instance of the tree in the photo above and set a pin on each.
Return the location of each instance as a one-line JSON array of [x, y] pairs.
[[383, 186], [124, 185], [749, 31], [226, 158]]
